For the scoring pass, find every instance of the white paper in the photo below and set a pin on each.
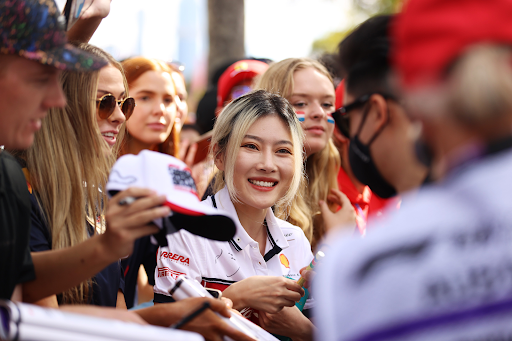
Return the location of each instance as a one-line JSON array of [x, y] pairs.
[[31, 320]]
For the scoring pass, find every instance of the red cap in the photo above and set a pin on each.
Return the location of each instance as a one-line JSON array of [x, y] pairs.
[[237, 72], [430, 34], [340, 90]]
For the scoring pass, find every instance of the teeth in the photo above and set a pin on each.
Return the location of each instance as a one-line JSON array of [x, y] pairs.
[[262, 183], [108, 134]]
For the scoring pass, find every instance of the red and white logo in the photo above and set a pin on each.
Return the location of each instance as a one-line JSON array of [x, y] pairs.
[[175, 257], [166, 272]]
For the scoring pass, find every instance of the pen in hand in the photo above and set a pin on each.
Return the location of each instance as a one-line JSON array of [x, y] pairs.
[[191, 316]]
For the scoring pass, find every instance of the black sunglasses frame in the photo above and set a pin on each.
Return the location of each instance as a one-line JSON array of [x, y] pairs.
[[341, 115], [105, 113]]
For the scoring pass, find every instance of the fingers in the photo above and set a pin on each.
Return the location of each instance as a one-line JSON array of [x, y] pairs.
[[293, 286], [184, 145], [228, 302], [191, 155], [219, 306], [140, 212], [324, 209], [308, 276], [133, 192], [341, 197]]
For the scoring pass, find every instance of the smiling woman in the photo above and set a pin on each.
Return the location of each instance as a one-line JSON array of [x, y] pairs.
[[257, 148]]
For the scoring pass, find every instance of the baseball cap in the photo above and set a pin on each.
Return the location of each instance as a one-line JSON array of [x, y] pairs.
[[237, 72], [34, 29], [169, 176], [430, 34]]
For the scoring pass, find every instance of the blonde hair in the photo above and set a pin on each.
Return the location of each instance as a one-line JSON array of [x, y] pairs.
[[134, 68], [232, 125], [68, 165], [321, 167]]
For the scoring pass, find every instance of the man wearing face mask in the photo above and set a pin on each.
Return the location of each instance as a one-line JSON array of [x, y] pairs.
[[382, 138], [441, 268]]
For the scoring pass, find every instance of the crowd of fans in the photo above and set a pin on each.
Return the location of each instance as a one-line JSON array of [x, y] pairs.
[[396, 167]]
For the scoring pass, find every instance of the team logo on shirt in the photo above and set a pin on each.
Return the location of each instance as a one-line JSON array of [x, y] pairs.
[[175, 258], [166, 272], [284, 261]]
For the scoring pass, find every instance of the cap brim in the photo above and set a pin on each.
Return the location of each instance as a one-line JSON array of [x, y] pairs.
[[215, 227], [68, 58]]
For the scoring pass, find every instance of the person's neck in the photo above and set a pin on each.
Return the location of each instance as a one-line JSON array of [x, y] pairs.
[[135, 146], [454, 144], [252, 220]]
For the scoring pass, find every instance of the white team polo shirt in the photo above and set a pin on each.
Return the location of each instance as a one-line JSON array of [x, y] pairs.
[[218, 264]]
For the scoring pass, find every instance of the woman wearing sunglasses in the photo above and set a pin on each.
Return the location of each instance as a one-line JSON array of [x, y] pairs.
[[67, 167], [309, 88]]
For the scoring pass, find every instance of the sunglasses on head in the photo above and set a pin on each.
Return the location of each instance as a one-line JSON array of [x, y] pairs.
[[107, 103], [341, 116]]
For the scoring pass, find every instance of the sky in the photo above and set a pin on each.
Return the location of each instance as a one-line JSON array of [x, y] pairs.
[[177, 29]]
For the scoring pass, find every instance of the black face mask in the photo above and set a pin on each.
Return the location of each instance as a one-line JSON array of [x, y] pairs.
[[363, 166]]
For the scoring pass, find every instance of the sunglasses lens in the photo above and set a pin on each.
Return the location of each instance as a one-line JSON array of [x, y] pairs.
[[128, 106], [344, 127], [106, 106], [342, 122]]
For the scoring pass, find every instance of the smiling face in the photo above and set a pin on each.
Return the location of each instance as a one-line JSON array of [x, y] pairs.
[[155, 112], [313, 100], [264, 166], [110, 81], [27, 90]]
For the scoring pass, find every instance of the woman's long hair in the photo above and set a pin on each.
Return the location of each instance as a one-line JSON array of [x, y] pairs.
[[134, 68], [69, 164], [321, 168]]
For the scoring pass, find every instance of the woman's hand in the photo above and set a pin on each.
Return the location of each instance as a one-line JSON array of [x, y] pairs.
[[265, 293], [97, 8], [345, 217], [187, 152], [308, 276], [289, 322], [126, 223]]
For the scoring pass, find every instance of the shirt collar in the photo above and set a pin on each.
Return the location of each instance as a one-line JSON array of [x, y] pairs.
[[347, 186], [276, 240]]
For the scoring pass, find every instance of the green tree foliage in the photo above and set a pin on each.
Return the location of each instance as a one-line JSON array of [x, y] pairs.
[[329, 43], [368, 8]]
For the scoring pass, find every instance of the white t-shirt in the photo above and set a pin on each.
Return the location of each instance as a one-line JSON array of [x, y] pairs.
[[439, 269], [218, 264]]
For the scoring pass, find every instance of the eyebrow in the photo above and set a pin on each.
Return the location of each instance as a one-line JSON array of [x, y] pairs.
[[306, 95], [259, 139], [108, 92], [146, 92]]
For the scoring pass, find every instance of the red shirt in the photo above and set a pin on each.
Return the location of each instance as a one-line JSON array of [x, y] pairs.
[[365, 204]]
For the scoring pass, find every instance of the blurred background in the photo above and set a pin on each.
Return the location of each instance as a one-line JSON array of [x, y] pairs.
[[203, 35]]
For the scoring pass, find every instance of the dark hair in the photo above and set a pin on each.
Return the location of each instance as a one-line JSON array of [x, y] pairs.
[[364, 57]]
